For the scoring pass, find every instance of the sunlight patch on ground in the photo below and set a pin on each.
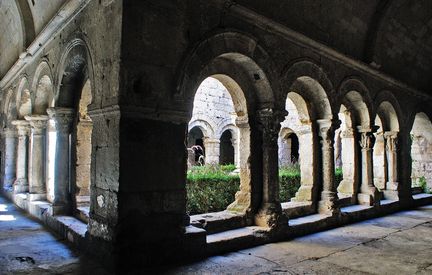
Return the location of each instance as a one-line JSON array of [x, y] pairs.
[[6, 218]]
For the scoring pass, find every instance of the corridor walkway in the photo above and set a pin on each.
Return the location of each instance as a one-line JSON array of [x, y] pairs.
[[26, 247], [396, 244]]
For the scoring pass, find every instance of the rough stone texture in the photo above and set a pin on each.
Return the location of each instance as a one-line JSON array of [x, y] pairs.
[[400, 243], [26, 247], [145, 60]]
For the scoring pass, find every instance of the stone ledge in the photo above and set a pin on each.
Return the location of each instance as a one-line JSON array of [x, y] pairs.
[[297, 209], [219, 221], [67, 227]]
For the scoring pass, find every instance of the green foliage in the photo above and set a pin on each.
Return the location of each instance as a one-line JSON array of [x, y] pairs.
[[423, 184], [211, 188], [338, 175], [289, 182]]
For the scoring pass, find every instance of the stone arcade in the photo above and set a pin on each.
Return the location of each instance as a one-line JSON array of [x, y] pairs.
[[97, 100]]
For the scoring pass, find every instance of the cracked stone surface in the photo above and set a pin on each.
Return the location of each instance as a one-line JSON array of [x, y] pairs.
[[396, 244], [26, 247], [400, 244]]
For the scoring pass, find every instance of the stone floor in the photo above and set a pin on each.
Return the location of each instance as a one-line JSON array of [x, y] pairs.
[[397, 244], [26, 247]]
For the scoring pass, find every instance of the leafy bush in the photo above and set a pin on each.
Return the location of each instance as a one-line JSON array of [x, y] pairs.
[[338, 175], [289, 182], [212, 188], [423, 184]]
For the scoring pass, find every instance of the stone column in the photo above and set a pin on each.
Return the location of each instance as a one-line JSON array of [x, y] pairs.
[[369, 194], [329, 198], [307, 161], [21, 184], [379, 161], [83, 159], [391, 138], [270, 213], [349, 164], [37, 187], [235, 143], [9, 161], [62, 118], [244, 197], [212, 150]]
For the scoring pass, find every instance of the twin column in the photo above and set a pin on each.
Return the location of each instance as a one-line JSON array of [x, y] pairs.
[[62, 118], [31, 157]]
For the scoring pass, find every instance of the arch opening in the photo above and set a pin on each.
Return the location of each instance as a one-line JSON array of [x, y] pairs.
[[218, 125], [421, 154]]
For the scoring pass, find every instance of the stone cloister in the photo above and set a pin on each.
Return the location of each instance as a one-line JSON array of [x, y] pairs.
[[98, 100]]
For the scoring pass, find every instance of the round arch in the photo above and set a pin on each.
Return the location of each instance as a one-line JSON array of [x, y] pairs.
[[43, 89], [23, 99]]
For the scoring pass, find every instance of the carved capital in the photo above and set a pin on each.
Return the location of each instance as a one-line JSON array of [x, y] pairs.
[[62, 117], [22, 126], [347, 133], [269, 122], [327, 128], [38, 123], [391, 139], [9, 133]]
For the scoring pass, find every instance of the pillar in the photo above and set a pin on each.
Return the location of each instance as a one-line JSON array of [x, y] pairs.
[[329, 197], [9, 158], [235, 143], [83, 159], [270, 213], [212, 150], [348, 185], [62, 118], [392, 186], [37, 188], [307, 161], [369, 194], [21, 184], [379, 161], [244, 198]]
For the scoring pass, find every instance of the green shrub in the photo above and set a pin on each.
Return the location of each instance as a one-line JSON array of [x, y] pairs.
[[289, 182], [338, 175], [423, 184], [211, 188]]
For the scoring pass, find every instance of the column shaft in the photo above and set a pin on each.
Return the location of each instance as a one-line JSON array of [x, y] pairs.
[[270, 214], [369, 194], [9, 161], [21, 184], [328, 203], [62, 118], [37, 188]]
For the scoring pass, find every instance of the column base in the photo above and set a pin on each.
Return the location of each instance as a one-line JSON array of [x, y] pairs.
[[241, 204], [36, 197], [270, 215], [303, 194], [390, 185], [8, 184], [21, 186], [328, 204], [59, 210], [370, 198], [391, 194], [346, 187]]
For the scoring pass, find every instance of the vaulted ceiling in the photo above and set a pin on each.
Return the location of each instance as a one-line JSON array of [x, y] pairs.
[[20, 22], [394, 35]]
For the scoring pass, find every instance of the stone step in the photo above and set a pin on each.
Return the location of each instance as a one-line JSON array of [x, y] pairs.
[[236, 239]]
